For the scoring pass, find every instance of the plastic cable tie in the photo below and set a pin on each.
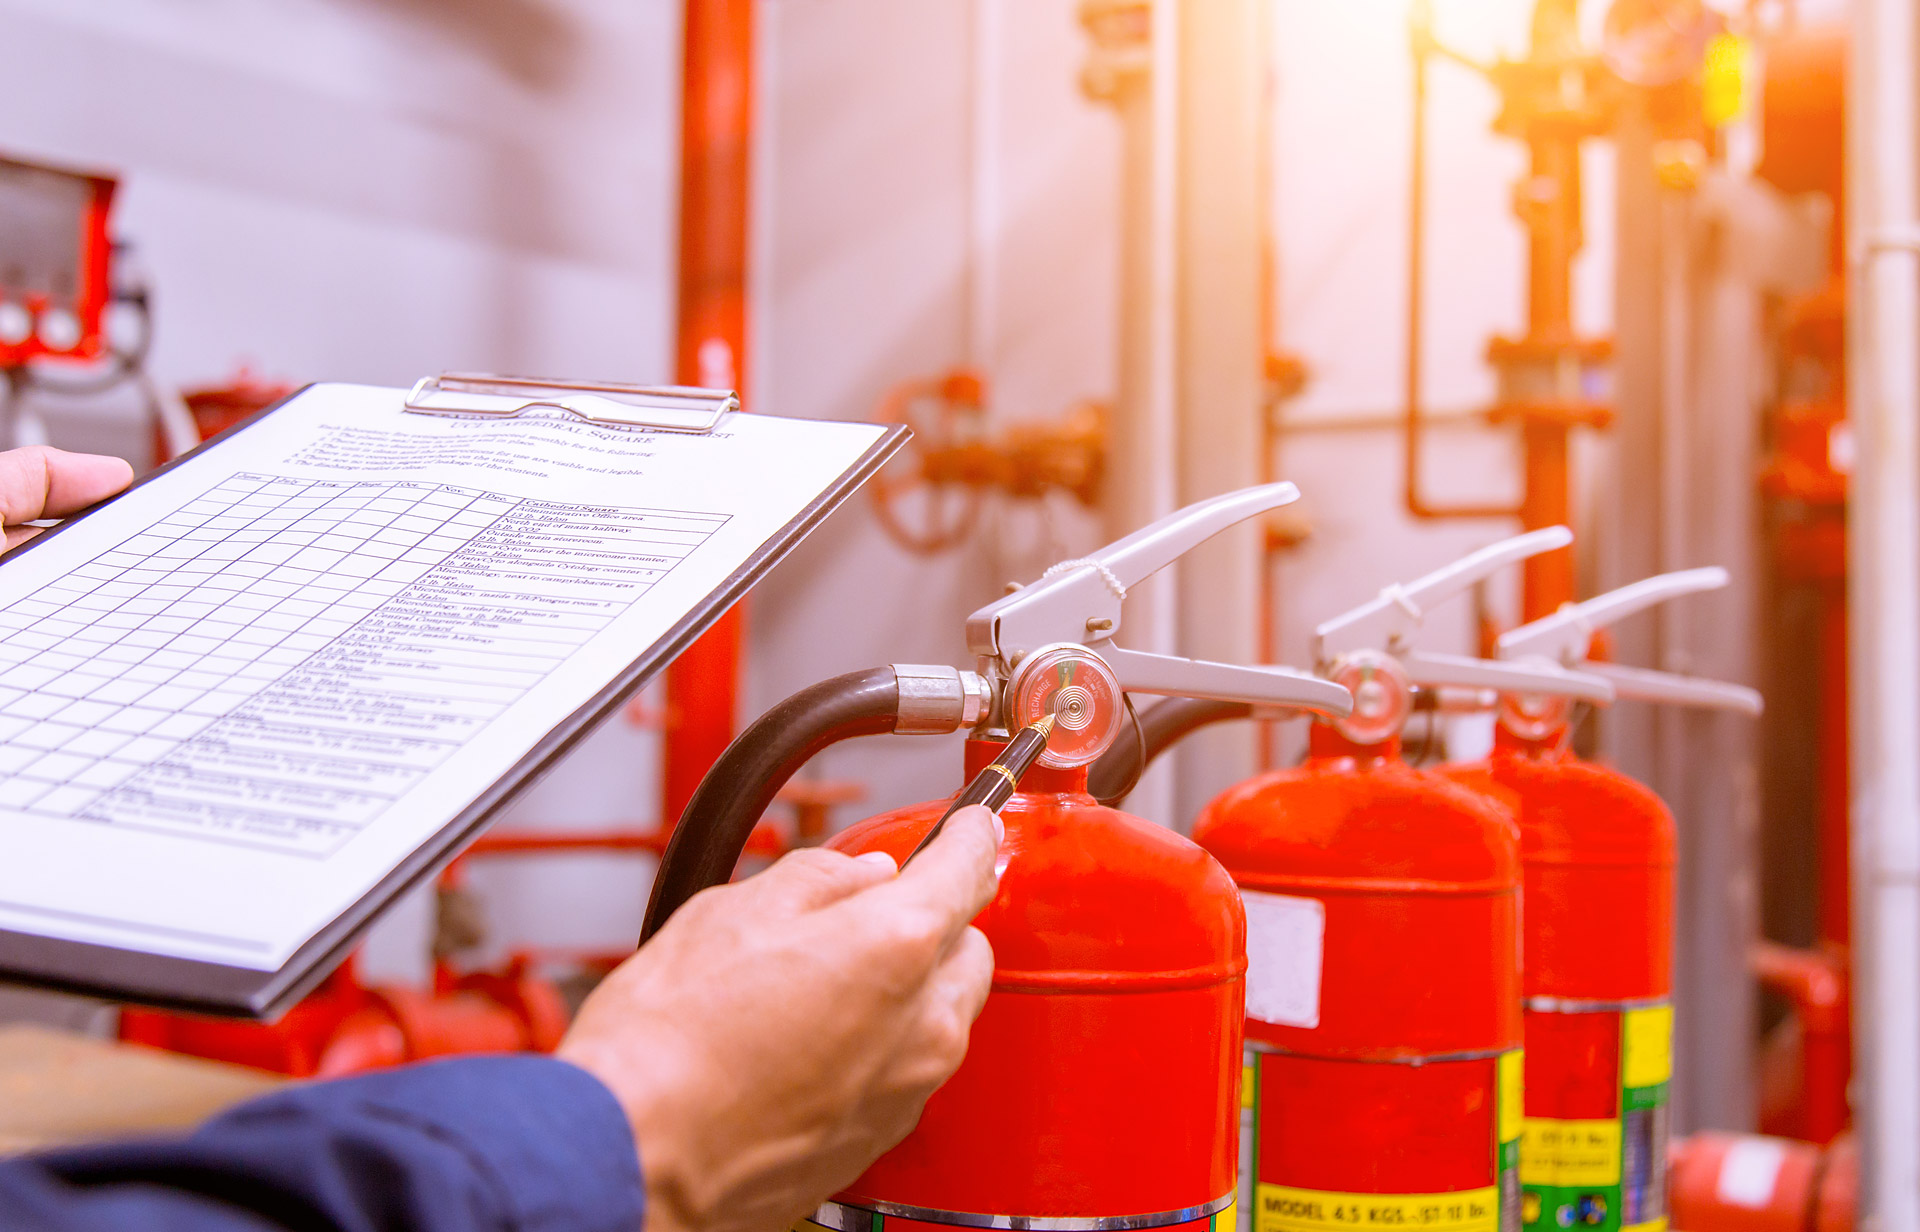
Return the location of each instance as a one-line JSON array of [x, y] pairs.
[[1586, 629], [1106, 574], [1396, 594]]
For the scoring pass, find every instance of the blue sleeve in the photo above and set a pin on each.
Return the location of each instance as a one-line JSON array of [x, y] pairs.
[[500, 1144]]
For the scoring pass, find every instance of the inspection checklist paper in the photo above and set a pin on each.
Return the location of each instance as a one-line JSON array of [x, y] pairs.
[[237, 697]]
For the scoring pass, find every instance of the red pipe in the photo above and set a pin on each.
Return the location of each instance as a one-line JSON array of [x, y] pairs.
[[715, 148], [1722, 1182], [1814, 984]]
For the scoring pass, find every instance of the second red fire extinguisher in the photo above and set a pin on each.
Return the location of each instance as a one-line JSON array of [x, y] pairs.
[[1099, 1090]]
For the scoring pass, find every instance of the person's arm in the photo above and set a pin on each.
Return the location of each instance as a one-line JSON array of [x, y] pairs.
[[774, 1039], [502, 1143]]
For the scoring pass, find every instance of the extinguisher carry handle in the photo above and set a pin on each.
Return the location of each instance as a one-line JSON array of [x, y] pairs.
[[1171, 676], [1391, 621], [1567, 635], [1080, 600], [1639, 684], [1540, 677]]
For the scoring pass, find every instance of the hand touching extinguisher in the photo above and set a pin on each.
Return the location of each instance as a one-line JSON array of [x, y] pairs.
[[1597, 857], [1099, 1089], [1383, 996]]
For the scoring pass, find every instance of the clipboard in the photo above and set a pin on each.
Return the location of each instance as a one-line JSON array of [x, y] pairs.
[[161, 979]]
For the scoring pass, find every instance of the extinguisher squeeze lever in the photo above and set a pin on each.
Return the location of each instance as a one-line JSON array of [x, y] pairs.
[[1079, 602], [1391, 623], [1566, 638]]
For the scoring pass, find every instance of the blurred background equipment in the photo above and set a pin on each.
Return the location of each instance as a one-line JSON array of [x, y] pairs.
[[1550, 380], [930, 499], [55, 258], [1643, 268]]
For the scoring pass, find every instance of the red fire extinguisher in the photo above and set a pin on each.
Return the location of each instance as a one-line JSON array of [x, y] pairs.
[[1099, 1089], [1383, 995], [1597, 857]]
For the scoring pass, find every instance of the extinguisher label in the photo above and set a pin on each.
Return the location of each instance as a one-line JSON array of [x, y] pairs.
[[1285, 1209], [1594, 1153], [1490, 1083], [1470, 1121], [1286, 938]]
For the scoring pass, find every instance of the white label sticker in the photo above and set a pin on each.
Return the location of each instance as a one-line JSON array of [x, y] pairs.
[[1749, 1171], [1284, 943]]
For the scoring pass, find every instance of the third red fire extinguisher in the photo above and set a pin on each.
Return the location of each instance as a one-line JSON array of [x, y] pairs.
[[1597, 853]]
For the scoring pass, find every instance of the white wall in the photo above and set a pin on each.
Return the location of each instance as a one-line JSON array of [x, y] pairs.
[[369, 191], [873, 282]]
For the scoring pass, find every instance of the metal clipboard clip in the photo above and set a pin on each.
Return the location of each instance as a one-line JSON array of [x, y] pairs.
[[663, 408]]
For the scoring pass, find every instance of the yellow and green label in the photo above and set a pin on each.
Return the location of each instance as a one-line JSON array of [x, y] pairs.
[[1606, 1174]]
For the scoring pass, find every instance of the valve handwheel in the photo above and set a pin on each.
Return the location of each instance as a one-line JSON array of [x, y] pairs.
[[923, 514]]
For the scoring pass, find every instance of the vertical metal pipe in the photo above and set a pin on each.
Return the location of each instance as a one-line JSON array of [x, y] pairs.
[[1221, 380], [1883, 569], [715, 149], [1141, 484]]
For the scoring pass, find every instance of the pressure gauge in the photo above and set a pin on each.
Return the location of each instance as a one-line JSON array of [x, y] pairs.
[[1382, 695], [1534, 717], [1076, 687]]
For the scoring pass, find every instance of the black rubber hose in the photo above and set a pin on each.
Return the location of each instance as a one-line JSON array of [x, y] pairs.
[[712, 833], [1120, 767]]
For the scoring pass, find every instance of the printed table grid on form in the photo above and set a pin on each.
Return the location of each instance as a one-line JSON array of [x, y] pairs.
[[279, 660]]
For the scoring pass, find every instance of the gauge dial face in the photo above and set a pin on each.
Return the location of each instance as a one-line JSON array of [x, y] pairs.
[[1079, 690], [1535, 716], [1382, 696]]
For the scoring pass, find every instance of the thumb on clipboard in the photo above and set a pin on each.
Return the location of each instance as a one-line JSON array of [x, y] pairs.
[[38, 482]]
